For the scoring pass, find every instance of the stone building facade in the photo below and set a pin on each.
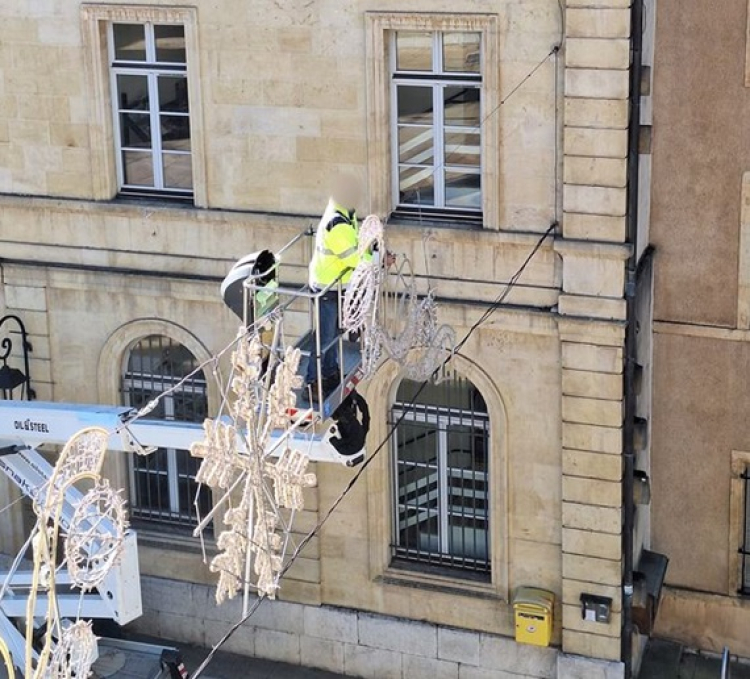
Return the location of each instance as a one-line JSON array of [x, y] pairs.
[[146, 147], [701, 194]]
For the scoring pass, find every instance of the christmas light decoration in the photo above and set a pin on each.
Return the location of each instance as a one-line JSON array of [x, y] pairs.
[[94, 537]]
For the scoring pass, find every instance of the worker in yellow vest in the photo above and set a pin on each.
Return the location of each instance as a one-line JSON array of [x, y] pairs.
[[335, 257]]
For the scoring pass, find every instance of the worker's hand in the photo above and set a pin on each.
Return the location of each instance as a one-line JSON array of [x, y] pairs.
[[390, 259]]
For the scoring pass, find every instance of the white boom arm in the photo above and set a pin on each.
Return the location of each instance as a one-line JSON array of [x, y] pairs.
[[26, 425], [34, 423]]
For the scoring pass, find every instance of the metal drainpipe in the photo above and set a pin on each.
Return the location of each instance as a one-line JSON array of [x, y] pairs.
[[636, 43]]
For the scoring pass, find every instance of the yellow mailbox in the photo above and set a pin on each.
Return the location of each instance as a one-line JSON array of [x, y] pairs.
[[533, 611]]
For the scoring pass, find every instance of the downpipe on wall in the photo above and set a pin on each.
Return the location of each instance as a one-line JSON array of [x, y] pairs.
[[636, 45]]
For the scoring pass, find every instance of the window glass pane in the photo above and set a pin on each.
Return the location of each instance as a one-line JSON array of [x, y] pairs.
[[461, 52], [173, 96], [178, 170], [130, 42], [462, 148], [415, 145], [132, 92], [152, 492], [414, 104], [175, 133], [137, 168], [441, 465], [135, 130], [461, 106], [170, 43], [463, 190], [416, 186], [414, 50]]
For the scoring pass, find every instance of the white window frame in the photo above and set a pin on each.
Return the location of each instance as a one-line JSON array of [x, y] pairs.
[[379, 26], [441, 418], [174, 514], [95, 19], [437, 80], [152, 70]]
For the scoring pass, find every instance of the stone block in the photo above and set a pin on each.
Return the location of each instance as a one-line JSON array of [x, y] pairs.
[[597, 23], [572, 590], [591, 491], [591, 569], [187, 629], [591, 411], [416, 666], [496, 653], [578, 667], [535, 661], [29, 132], [592, 358], [604, 113], [593, 227], [595, 171], [589, 141], [397, 635], [322, 654], [596, 200], [25, 298], [337, 624], [585, 306], [589, 543], [241, 642], [279, 615], [280, 646], [599, 3], [591, 645], [371, 663], [505, 655], [470, 672], [592, 384], [592, 438], [597, 84], [458, 645], [592, 465], [589, 517]]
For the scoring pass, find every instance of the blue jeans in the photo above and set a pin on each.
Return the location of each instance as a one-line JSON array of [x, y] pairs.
[[328, 328]]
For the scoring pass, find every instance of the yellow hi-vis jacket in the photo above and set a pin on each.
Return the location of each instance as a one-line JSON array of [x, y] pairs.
[[336, 247]]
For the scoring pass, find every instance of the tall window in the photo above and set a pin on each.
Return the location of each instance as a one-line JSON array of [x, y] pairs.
[[152, 120], [745, 549], [436, 135], [162, 485], [441, 477]]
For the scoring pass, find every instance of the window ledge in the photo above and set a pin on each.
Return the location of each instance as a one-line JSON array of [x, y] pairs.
[[428, 220], [179, 542], [441, 584]]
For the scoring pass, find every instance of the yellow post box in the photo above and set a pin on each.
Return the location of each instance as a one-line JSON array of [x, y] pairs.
[[533, 612]]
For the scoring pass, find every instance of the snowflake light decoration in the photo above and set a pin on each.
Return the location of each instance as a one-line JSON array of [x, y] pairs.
[[94, 539], [289, 478], [281, 397], [236, 455], [218, 451]]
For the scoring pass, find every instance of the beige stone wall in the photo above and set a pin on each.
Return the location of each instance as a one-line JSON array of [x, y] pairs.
[[281, 108], [285, 102]]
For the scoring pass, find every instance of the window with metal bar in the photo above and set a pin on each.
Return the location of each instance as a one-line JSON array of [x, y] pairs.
[[162, 485], [151, 113], [436, 89], [745, 549], [441, 447]]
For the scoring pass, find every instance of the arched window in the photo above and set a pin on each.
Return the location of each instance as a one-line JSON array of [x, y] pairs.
[[162, 485], [441, 450]]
